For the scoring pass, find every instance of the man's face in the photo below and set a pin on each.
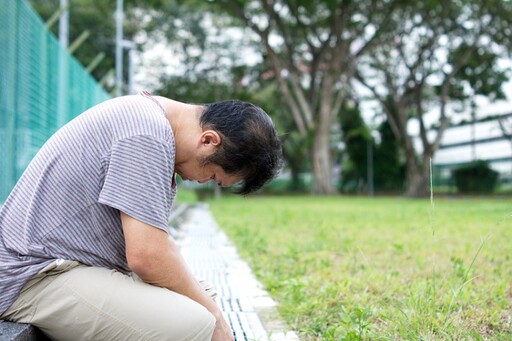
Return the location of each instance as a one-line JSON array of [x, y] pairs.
[[193, 165], [197, 170]]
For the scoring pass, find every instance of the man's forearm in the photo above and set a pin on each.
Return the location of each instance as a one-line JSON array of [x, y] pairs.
[[156, 259], [172, 272]]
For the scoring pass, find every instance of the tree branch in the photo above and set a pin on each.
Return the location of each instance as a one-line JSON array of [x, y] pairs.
[[281, 29], [418, 88], [237, 9], [389, 113]]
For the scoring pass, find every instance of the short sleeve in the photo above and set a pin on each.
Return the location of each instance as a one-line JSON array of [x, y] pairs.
[[138, 179]]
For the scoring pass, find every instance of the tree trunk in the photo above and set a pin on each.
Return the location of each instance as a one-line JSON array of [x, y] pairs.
[[321, 166], [417, 185], [321, 157]]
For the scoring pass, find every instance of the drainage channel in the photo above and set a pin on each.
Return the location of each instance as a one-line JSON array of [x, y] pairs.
[[211, 256]]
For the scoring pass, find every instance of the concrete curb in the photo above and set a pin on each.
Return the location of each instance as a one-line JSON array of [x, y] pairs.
[[10, 331]]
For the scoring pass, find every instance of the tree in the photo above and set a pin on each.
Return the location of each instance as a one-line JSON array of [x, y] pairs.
[[311, 48], [440, 51]]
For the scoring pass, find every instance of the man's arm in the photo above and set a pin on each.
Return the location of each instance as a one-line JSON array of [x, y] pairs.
[[156, 259]]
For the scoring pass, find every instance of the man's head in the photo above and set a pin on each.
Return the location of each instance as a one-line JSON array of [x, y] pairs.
[[249, 144]]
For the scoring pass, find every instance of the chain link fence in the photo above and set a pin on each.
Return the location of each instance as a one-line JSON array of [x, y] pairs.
[[41, 88]]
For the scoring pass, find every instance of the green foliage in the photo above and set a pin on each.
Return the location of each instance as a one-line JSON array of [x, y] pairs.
[[295, 149], [476, 177], [356, 138], [389, 171], [354, 324], [389, 168], [480, 72], [372, 269]]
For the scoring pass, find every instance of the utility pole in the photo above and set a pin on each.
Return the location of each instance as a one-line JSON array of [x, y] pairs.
[[62, 86], [119, 47], [64, 24], [129, 46], [473, 129]]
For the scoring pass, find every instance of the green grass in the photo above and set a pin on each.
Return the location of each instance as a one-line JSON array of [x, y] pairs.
[[352, 268]]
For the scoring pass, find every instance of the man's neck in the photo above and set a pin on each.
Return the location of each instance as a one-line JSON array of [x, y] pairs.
[[184, 121]]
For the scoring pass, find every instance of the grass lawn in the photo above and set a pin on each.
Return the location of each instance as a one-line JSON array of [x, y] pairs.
[[353, 268]]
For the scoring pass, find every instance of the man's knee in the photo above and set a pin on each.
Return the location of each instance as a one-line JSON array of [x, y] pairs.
[[203, 326], [195, 324], [166, 315]]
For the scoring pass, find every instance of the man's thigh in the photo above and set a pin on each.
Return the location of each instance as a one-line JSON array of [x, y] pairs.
[[88, 303]]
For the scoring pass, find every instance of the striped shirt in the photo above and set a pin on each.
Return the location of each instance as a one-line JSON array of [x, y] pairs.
[[116, 156]]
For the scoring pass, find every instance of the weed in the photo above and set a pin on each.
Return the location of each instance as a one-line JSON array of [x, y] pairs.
[[458, 267], [354, 324]]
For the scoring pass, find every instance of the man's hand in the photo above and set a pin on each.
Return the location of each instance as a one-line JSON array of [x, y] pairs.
[[222, 332]]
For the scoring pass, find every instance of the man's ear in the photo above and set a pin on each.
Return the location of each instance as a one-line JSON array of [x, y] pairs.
[[210, 137]]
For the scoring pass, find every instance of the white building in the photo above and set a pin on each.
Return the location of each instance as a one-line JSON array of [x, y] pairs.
[[488, 138]]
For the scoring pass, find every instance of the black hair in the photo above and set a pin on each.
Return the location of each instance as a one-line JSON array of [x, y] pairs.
[[250, 146]]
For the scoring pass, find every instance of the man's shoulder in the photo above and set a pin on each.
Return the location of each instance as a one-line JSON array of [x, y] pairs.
[[123, 117]]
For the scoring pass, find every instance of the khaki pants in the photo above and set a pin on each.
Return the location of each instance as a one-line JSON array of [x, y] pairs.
[[71, 301]]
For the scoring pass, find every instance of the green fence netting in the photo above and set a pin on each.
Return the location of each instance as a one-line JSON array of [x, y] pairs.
[[41, 88]]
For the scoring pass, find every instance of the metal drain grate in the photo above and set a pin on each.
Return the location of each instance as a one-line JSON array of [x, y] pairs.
[[213, 258]]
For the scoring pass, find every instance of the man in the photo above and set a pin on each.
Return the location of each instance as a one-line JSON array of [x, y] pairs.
[[84, 248]]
